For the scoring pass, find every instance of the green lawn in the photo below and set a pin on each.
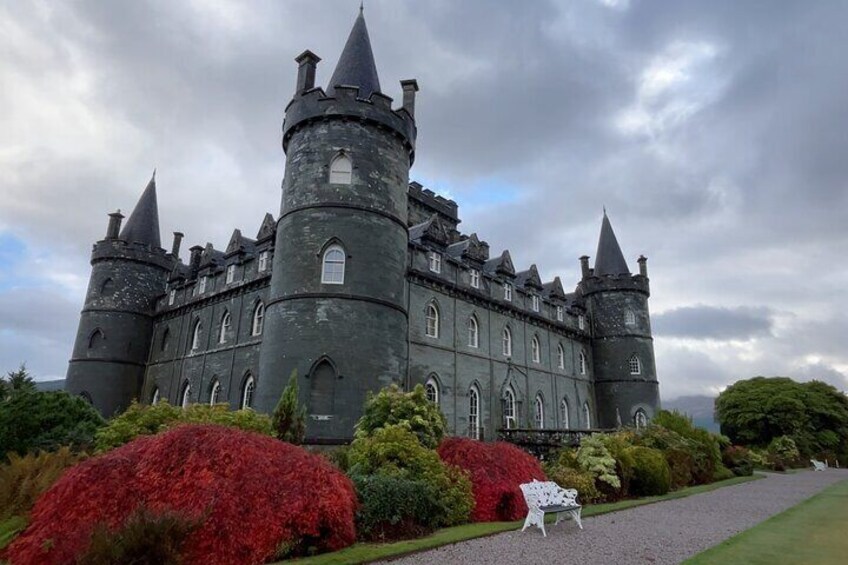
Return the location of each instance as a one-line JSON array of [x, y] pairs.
[[366, 552], [814, 531]]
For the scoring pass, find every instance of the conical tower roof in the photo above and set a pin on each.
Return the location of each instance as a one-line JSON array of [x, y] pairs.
[[356, 65], [143, 224], [609, 260]]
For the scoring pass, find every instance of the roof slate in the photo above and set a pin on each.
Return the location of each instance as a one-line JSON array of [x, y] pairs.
[[143, 224], [356, 65], [609, 259]]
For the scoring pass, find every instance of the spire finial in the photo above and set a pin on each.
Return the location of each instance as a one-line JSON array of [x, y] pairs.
[[153, 178], [361, 6], [605, 210]]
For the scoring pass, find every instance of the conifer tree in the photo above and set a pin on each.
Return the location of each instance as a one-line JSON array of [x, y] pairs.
[[289, 419]]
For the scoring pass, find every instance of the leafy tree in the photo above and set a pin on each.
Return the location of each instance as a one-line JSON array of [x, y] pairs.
[[16, 382], [814, 414], [411, 411], [289, 418], [31, 420]]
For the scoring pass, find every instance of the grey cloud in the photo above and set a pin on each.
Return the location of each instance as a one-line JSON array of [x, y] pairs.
[[711, 322]]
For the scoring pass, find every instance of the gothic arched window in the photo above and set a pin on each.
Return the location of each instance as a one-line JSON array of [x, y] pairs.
[[509, 408], [536, 349], [96, 340], [185, 400], [560, 356], [630, 318], [507, 342], [154, 398], [333, 268], [195, 335], [432, 320], [587, 416], [640, 419], [539, 412], [225, 328], [247, 392], [258, 319], [214, 392], [473, 332], [166, 338], [582, 363], [563, 414], [108, 287], [431, 388], [341, 169], [635, 365], [474, 413]]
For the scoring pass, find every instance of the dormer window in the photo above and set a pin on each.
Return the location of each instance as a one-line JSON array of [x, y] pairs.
[[341, 170], [231, 273], [172, 296], [435, 262], [475, 278], [560, 313], [201, 288], [581, 322], [535, 303], [263, 262], [508, 292]]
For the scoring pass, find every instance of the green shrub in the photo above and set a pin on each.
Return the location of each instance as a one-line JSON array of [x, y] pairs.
[[705, 446], [142, 419], [594, 457], [723, 473], [680, 464], [395, 451], [289, 418], [394, 508], [582, 481], [410, 410], [32, 420], [738, 459], [23, 479], [651, 474], [565, 457], [619, 444], [145, 539], [338, 456], [783, 452], [9, 528]]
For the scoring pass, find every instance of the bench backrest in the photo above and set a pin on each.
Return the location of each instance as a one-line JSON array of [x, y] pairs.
[[548, 493]]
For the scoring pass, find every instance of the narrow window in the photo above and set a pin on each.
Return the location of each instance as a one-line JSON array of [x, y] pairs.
[[640, 419], [475, 278], [431, 388], [535, 303], [231, 273], [473, 332], [435, 262], [507, 342], [508, 292], [341, 170], [581, 322], [215, 392], [630, 318], [195, 335], [258, 319], [96, 340], [509, 408], [587, 416], [263, 262], [474, 413], [334, 265], [582, 363], [635, 365], [225, 328], [172, 296], [154, 398], [563, 414], [247, 392], [432, 326], [186, 397], [108, 287], [536, 349], [560, 356], [539, 412], [560, 312], [166, 339], [202, 288]]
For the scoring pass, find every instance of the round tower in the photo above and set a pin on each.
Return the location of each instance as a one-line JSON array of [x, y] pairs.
[[337, 308], [624, 371], [128, 271]]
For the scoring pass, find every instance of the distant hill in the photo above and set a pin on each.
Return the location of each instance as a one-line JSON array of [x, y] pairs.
[[700, 408], [47, 386]]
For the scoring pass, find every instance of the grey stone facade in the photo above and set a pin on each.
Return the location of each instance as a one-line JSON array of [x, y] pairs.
[[418, 302]]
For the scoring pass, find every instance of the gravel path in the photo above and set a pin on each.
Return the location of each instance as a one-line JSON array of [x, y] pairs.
[[665, 532]]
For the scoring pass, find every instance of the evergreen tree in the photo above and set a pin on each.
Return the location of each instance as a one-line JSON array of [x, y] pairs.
[[289, 419], [16, 382]]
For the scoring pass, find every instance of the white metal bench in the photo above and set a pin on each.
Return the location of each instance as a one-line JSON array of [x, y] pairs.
[[546, 498], [818, 465]]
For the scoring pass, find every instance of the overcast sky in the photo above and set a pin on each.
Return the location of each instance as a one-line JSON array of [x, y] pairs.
[[715, 133]]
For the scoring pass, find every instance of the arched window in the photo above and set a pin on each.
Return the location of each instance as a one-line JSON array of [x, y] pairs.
[[509, 408], [539, 412], [214, 392], [640, 419], [166, 339], [560, 356], [185, 400], [341, 169], [473, 332], [474, 413], [154, 398], [333, 270], [108, 287], [563, 414], [432, 327], [225, 328], [322, 388], [258, 319], [635, 365], [582, 363], [195, 335], [587, 416], [536, 349], [96, 340], [630, 318], [431, 388], [87, 397], [247, 392], [507, 342]]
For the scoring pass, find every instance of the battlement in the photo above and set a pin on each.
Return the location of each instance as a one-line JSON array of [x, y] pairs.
[[110, 249], [624, 282], [314, 105], [434, 203]]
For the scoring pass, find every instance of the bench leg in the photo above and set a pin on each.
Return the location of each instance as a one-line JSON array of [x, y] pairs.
[[575, 515]]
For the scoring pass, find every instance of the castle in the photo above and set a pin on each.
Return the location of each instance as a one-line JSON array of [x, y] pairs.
[[364, 280]]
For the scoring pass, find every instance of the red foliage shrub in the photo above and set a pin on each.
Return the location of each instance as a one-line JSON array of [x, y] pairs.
[[496, 469], [253, 493]]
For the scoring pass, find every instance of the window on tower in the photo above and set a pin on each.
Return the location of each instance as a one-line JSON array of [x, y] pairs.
[[630, 318], [341, 170], [333, 271], [635, 365]]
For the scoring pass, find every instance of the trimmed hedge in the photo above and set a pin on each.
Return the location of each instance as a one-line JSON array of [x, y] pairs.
[[393, 508]]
